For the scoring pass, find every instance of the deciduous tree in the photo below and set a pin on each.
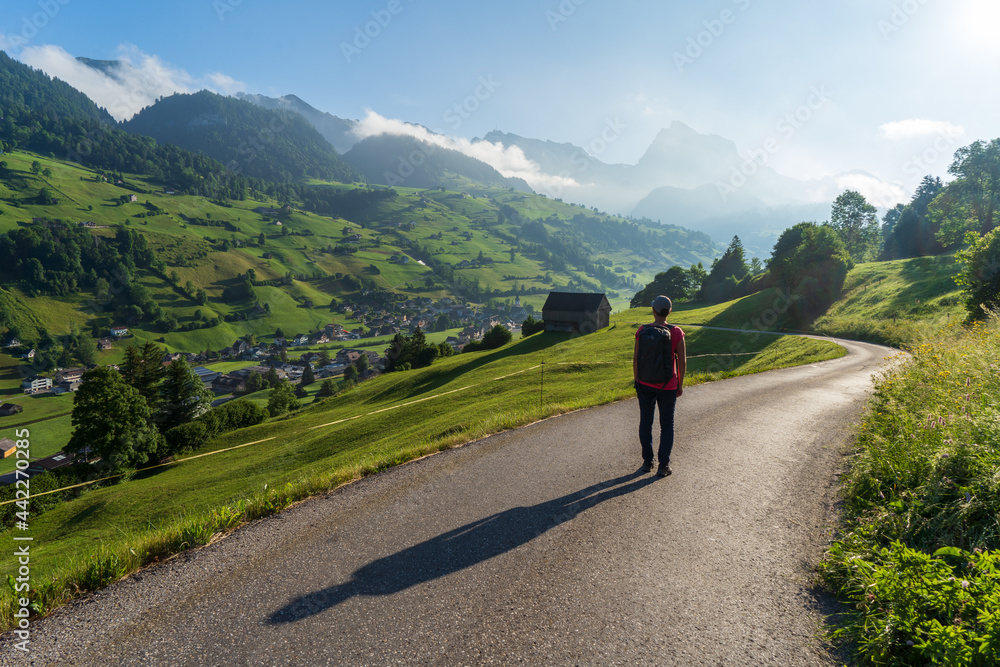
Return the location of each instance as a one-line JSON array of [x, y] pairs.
[[113, 420], [856, 222]]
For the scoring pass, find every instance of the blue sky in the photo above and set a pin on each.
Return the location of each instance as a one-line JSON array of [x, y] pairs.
[[890, 87]]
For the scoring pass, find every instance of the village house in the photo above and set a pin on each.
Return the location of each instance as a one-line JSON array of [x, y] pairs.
[[36, 384], [30, 354], [69, 375], [7, 447], [8, 409], [12, 342], [206, 375], [50, 463], [119, 331], [104, 344], [228, 384]]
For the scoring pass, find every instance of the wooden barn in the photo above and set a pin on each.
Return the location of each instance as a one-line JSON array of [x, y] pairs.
[[576, 312]]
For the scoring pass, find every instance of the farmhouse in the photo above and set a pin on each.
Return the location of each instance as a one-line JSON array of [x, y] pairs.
[[7, 409], [580, 313], [118, 332], [229, 383]]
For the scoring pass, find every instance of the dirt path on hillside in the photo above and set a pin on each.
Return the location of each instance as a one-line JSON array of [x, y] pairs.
[[542, 545]]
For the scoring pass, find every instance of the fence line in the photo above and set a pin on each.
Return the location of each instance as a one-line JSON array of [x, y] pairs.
[[347, 419], [311, 428]]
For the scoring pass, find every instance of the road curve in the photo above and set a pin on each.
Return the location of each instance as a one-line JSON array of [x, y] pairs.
[[542, 545]]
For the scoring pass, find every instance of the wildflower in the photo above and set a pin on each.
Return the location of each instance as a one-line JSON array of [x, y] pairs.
[[965, 584]]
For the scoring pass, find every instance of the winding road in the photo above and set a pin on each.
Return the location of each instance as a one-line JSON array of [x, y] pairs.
[[543, 545]]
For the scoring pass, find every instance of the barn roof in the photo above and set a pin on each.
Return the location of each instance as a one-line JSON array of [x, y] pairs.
[[575, 302]]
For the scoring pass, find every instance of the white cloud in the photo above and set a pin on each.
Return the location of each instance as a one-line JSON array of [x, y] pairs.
[[510, 161], [918, 127], [136, 82], [224, 84], [878, 192]]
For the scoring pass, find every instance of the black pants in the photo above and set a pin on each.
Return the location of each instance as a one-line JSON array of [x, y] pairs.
[[649, 400]]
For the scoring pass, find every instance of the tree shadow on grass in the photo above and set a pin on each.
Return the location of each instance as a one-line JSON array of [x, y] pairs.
[[458, 549]]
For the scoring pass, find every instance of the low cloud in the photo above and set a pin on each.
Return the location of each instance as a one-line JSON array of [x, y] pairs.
[[510, 161], [136, 81], [916, 127], [878, 192]]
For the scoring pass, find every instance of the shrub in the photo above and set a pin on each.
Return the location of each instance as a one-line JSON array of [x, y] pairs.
[[531, 326], [191, 435]]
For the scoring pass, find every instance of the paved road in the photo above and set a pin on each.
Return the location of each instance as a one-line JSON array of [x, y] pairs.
[[539, 546]]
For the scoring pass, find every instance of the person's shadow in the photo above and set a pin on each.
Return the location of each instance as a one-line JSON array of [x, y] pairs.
[[458, 549]]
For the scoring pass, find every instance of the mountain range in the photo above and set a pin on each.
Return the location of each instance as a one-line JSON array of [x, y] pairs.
[[684, 178]]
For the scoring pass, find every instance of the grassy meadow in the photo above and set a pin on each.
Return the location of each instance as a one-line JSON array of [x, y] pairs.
[[105, 533], [896, 303], [917, 557]]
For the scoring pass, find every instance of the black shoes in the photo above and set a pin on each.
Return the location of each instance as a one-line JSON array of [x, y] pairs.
[[646, 466], [663, 470]]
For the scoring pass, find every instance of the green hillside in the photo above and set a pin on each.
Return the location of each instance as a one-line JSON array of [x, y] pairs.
[[897, 302], [211, 243]]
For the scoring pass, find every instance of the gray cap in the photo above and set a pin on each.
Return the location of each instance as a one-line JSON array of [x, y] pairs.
[[662, 304]]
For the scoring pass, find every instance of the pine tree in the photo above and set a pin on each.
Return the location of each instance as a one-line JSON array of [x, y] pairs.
[[143, 370], [307, 376], [183, 396]]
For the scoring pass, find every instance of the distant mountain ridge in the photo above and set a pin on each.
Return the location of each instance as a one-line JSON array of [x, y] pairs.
[[394, 159], [684, 178], [338, 131], [274, 145]]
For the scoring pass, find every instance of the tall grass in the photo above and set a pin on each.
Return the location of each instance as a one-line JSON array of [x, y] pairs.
[[918, 556]]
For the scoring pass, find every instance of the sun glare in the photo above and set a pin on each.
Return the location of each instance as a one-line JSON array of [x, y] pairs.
[[977, 22]]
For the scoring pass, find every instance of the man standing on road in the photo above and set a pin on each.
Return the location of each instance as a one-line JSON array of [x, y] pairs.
[[659, 361]]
